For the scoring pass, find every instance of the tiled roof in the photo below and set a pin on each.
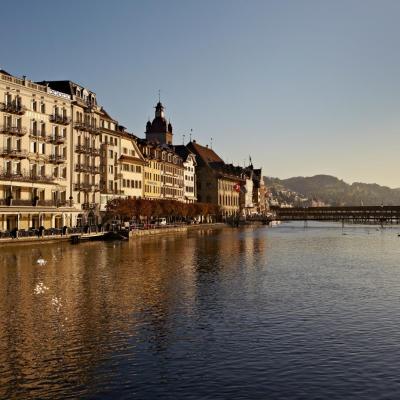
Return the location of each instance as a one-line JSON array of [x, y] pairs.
[[206, 155]]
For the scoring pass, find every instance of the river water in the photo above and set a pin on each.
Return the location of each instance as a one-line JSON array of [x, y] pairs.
[[254, 313]]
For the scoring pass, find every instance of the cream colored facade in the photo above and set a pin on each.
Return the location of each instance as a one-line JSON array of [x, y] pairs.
[[84, 145], [122, 164], [35, 134], [164, 172], [152, 170]]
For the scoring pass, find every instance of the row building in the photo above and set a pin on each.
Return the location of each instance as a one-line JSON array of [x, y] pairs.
[[63, 157]]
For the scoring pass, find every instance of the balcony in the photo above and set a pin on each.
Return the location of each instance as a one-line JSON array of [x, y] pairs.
[[87, 168], [89, 206], [86, 187], [57, 159], [10, 152], [25, 177], [60, 119], [87, 150], [36, 134], [32, 203], [82, 126], [57, 139], [13, 108], [13, 130]]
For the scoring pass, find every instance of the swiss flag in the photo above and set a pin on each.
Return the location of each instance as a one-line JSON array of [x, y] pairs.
[[236, 187]]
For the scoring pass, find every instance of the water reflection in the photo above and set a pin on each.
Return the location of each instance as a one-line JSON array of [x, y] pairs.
[[212, 314], [64, 319]]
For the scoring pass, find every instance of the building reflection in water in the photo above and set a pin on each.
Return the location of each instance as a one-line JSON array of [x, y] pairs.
[[64, 321]]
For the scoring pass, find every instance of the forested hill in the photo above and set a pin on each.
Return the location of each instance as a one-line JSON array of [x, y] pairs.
[[334, 191]]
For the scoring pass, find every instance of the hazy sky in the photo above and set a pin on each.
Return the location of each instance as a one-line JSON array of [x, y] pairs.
[[304, 87]]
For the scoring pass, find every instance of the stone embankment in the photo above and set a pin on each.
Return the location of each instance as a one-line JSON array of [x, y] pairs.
[[99, 236]]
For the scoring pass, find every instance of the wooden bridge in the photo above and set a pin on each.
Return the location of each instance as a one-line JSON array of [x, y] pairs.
[[361, 214]]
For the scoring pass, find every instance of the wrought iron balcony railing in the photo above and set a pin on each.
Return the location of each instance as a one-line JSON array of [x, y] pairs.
[[13, 152], [32, 203], [13, 130], [91, 169], [37, 134], [89, 206], [57, 159], [60, 119], [13, 108], [87, 149], [57, 139], [24, 176], [83, 126], [86, 187]]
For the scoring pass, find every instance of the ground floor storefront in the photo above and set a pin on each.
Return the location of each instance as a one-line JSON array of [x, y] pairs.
[[25, 218]]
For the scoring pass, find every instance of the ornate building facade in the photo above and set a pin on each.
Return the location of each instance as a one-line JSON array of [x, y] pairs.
[[35, 134]]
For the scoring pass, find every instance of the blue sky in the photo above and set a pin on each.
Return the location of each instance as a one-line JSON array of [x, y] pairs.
[[304, 87]]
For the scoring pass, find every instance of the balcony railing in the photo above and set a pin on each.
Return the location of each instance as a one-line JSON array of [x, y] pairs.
[[13, 152], [36, 134], [57, 159], [87, 149], [86, 187], [89, 206], [33, 203], [87, 168], [13, 130], [13, 108], [25, 177], [60, 119], [57, 139], [82, 126]]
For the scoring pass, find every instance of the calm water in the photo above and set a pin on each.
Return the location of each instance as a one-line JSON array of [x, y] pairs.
[[281, 313]]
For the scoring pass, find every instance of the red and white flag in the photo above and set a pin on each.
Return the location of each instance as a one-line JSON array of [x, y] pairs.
[[236, 187]]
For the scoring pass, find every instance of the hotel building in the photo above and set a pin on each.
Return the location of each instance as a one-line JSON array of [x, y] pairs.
[[35, 135]]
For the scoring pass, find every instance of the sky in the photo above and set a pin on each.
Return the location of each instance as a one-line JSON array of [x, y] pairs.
[[303, 87]]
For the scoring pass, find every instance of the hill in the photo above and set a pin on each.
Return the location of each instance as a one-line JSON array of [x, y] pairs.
[[333, 191]]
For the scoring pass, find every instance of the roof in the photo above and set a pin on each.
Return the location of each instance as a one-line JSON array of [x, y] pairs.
[[60, 86], [64, 86], [106, 115], [205, 155], [183, 151], [2, 71]]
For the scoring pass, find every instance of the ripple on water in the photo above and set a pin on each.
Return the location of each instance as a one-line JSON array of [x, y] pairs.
[[282, 313]]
